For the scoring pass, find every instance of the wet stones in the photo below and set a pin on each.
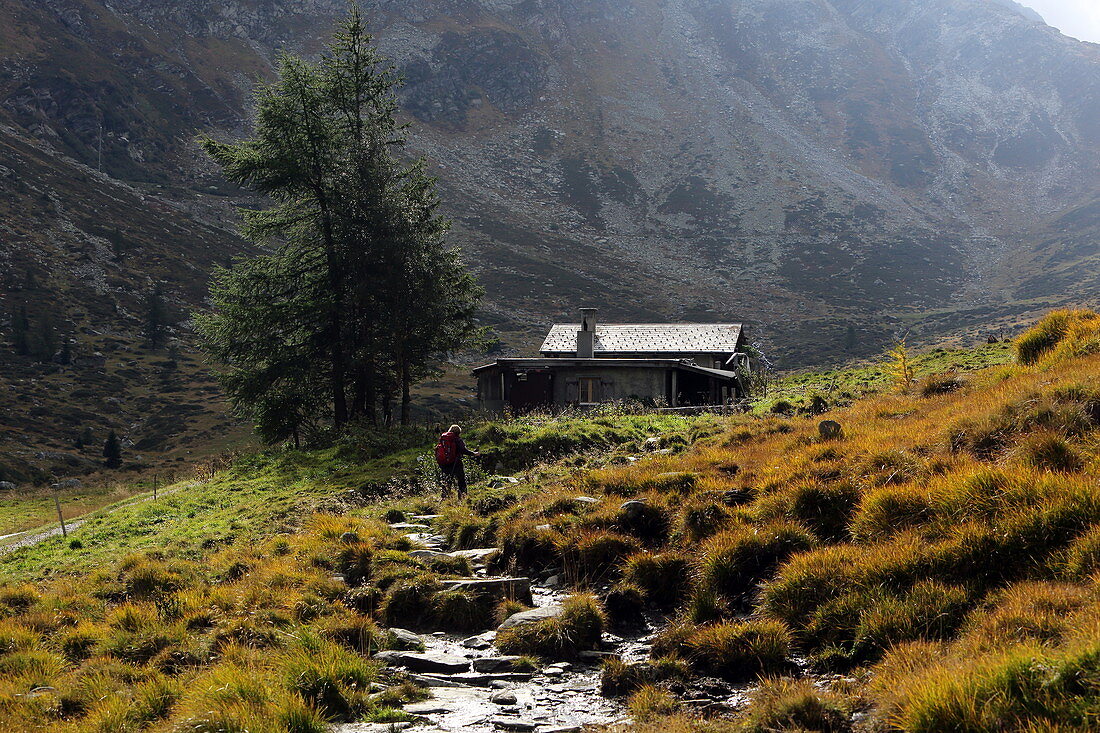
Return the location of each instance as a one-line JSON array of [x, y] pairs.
[[496, 664], [497, 589], [405, 640], [503, 697]]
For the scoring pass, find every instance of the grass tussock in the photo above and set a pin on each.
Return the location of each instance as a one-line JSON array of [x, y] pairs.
[[576, 629]]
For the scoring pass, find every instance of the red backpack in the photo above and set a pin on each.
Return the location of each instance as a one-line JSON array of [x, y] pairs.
[[446, 450]]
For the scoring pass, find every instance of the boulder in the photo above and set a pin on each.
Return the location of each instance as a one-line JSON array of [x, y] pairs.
[[349, 538], [479, 642], [424, 661], [70, 483], [531, 616], [408, 526], [651, 444], [426, 554], [499, 482], [7, 486], [586, 500], [504, 697], [477, 557], [405, 640], [829, 429]]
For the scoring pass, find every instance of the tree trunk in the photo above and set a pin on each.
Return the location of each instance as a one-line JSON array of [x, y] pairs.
[[406, 397]]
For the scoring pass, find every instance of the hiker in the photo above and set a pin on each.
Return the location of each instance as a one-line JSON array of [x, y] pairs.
[[448, 454]]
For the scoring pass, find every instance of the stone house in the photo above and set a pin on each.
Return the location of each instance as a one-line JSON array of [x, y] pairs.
[[584, 364]]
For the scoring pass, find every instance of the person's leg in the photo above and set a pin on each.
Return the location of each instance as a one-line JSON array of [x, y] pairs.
[[447, 480], [460, 479]]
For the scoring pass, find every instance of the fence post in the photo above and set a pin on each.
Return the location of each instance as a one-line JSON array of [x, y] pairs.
[[154, 487], [60, 516]]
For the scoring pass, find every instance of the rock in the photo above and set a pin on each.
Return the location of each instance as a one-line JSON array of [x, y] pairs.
[[563, 666], [7, 486], [518, 589], [405, 640], [633, 510], [499, 482], [486, 679], [516, 724], [597, 656], [651, 444], [499, 685], [495, 664], [586, 500], [553, 671], [531, 616], [370, 727], [409, 526], [425, 518], [543, 527], [482, 641], [563, 729], [477, 557], [349, 538], [426, 708], [554, 581], [504, 697], [829, 429], [70, 483], [424, 661], [428, 680], [426, 554]]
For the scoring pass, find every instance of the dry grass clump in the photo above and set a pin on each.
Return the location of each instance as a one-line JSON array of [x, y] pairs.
[[737, 651], [650, 702], [576, 629], [1061, 335], [593, 556], [664, 579], [785, 704], [733, 562], [825, 508]]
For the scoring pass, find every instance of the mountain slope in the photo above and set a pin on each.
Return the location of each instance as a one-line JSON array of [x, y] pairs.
[[803, 165]]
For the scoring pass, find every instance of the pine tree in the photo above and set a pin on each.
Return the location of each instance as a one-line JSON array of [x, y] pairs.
[[362, 292], [112, 451], [901, 364], [21, 328]]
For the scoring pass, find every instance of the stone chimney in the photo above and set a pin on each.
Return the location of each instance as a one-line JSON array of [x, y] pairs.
[[586, 337]]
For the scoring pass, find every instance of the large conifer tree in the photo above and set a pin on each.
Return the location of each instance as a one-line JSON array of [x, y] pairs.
[[361, 292]]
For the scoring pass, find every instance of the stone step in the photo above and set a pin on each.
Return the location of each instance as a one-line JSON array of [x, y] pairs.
[[496, 664], [427, 662], [408, 525], [478, 679], [499, 588]]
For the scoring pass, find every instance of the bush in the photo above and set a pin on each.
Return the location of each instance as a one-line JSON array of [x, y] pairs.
[[624, 605], [794, 705], [576, 629]]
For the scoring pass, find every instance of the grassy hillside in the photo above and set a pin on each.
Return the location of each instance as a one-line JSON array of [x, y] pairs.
[[939, 554]]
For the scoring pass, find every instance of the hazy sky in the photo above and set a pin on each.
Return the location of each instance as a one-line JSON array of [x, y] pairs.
[[1077, 18]]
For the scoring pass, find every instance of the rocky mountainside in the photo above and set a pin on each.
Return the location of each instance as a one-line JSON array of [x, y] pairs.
[[800, 164]]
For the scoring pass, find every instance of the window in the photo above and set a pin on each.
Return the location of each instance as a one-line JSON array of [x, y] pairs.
[[590, 390]]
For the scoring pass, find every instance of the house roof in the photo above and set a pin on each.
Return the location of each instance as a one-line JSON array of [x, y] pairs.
[[633, 338]]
